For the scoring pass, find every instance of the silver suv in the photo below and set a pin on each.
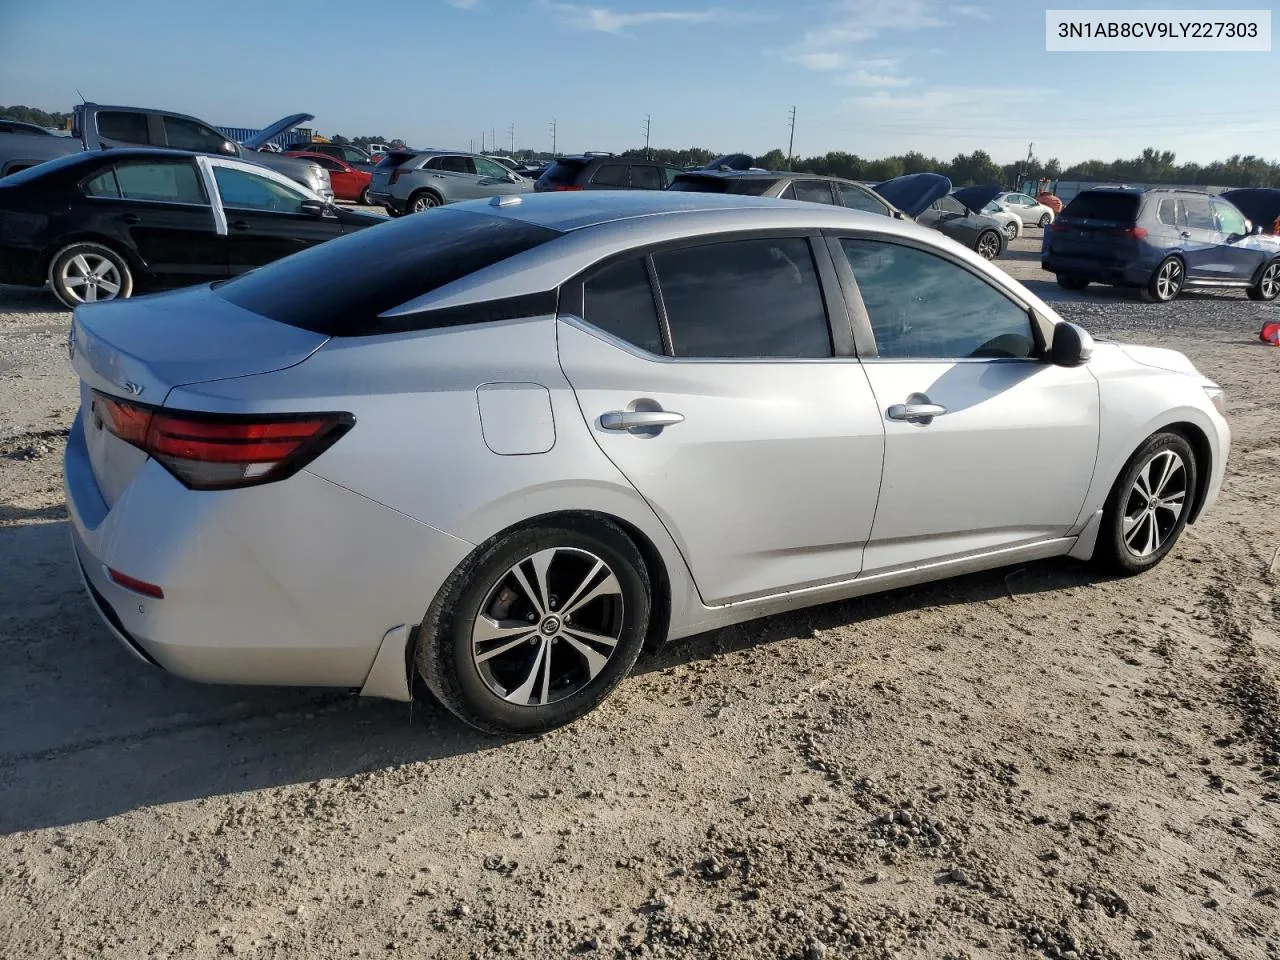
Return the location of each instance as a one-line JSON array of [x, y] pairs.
[[409, 182]]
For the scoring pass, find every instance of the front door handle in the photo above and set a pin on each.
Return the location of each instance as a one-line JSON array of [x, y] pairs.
[[130, 218], [918, 409], [239, 225], [646, 420]]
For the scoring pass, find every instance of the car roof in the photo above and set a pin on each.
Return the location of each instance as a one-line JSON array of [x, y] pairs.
[[589, 208]]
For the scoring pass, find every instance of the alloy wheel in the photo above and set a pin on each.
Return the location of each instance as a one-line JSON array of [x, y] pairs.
[[89, 278], [1011, 231], [1155, 503], [1045, 220], [988, 245], [1270, 283], [548, 626], [1169, 280], [424, 202]]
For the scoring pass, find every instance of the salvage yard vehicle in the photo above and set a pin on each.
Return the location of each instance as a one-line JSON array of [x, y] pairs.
[[408, 182], [507, 417], [1162, 241], [925, 198], [349, 182], [785, 185], [96, 127], [1032, 212], [604, 171], [102, 226]]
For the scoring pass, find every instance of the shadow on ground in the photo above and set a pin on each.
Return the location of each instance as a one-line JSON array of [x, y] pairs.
[[87, 731]]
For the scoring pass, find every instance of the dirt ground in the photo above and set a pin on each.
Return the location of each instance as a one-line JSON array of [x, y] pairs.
[[1030, 761]]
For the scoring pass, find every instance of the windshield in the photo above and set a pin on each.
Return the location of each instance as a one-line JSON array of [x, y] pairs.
[[563, 173], [747, 187]]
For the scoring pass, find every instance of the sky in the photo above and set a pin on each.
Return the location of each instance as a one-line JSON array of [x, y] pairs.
[[871, 77]]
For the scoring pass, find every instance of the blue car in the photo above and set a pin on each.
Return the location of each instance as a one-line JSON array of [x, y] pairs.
[[1161, 241]]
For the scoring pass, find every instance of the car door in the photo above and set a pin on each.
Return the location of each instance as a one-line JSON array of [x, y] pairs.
[[715, 389], [264, 217], [1200, 240], [1239, 258], [611, 176], [646, 176], [495, 180], [456, 178], [162, 207], [987, 446]]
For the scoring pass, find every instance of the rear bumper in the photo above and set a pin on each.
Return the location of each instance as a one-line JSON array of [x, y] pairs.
[[293, 583], [21, 266], [384, 199], [1122, 273]]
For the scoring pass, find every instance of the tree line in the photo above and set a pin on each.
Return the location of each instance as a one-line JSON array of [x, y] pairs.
[[41, 118]]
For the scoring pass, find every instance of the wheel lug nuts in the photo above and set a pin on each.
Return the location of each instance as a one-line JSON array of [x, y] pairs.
[[531, 618]]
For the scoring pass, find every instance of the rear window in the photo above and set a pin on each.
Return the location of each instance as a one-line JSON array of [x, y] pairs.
[[46, 168], [390, 160], [1103, 205], [338, 288], [753, 187], [563, 173]]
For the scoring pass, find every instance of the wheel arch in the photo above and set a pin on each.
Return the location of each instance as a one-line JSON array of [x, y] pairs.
[[1203, 451], [135, 264], [408, 204], [1257, 274]]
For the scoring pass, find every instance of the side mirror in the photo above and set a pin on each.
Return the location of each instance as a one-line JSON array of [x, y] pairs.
[[1072, 346], [1257, 229], [315, 208], [229, 149]]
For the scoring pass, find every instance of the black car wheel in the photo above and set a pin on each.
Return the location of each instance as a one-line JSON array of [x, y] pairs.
[[392, 211], [1148, 507], [1071, 283], [988, 245], [1268, 285], [423, 200], [89, 273], [537, 627], [1166, 282], [1045, 220]]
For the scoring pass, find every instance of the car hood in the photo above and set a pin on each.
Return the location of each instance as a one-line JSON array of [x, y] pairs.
[[1161, 358], [975, 198], [913, 193], [277, 128]]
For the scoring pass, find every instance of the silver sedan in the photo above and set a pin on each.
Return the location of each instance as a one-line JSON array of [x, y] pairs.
[[504, 446]]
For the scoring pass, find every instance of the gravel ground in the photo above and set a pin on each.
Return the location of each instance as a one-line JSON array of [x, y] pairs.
[[1031, 762]]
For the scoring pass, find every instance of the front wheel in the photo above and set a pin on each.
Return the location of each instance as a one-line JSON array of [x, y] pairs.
[[89, 273], [1011, 231], [1072, 283], [1166, 282], [537, 627], [1148, 507], [1045, 220], [1268, 285], [988, 245]]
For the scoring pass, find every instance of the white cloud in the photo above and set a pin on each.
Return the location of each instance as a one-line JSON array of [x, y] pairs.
[[608, 20], [852, 22], [865, 78], [463, 4], [968, 10]]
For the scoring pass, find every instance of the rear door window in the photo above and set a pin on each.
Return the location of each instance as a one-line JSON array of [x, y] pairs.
[[125, 125], [744, 298], [160, 182], [619, 300], [814, 191], [610, 175], [452, 164], [647, 178]]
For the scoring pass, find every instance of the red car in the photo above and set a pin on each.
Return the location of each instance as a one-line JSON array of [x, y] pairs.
[[349, 183]]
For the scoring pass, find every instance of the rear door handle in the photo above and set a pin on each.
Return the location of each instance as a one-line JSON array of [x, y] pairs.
[[1185, 235], [652, 420], [916, 411], [239, 225], [129, 218]]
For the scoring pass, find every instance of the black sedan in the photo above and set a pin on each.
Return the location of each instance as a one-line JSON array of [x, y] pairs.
[[925, 198], [100, 226]]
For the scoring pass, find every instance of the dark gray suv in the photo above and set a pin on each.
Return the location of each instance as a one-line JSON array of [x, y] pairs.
[[410, 182], [604, 171]]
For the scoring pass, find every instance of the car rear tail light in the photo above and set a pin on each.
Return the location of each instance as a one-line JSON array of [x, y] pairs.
[[208, 451], [562, 188], [1059, 226], [1133, 233]]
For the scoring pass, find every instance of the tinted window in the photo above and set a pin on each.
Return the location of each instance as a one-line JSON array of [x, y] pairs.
[[1103, 205], [921, 305], [248, 191], [950, 204], [858, 199], [647, 178], [1230, 220], [744, 298], [813, 191], [669, 174], [1199, 214], [189, 135], [119, 125], [619, 300], [563, 173], [487, 168], [352, 155], [390, 161], [610, 175], [103, 185], [172, 182], [326, 161], [749, 187], [1168, 212], [451, 164], [789, 193], [323, 290]]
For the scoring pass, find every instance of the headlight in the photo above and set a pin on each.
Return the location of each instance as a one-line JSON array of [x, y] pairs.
[[1217, 396]]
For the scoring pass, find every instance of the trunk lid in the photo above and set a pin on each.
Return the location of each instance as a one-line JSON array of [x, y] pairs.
[[140, 349]]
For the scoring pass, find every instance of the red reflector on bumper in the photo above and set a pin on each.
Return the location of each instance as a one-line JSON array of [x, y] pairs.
[[136, 585]]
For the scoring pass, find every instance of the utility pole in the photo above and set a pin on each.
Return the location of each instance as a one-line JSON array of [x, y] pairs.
[[553, 137], [1026, 167], [647, 118], [512, 130], [792, 141]]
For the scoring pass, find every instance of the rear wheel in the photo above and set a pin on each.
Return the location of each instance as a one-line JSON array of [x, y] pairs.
[[423, 200], [1011, 231], [392, 211], [1147, 509], [1071, 283], [1268, 285], [988, 245], [1166, 282], [88, 273], [537, 627]]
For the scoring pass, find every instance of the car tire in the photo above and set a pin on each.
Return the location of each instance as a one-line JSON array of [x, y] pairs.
[[1268, 285], [89, 273], [1011, 231], [1072, 283], [1148, 506], [363, 199], [422, 201], [988, 245], [482, 645], [392, 212], [1045, 220], [1166, 282]]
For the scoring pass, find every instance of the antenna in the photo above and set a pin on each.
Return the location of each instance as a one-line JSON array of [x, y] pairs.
[[81, 96], [792, 142]]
